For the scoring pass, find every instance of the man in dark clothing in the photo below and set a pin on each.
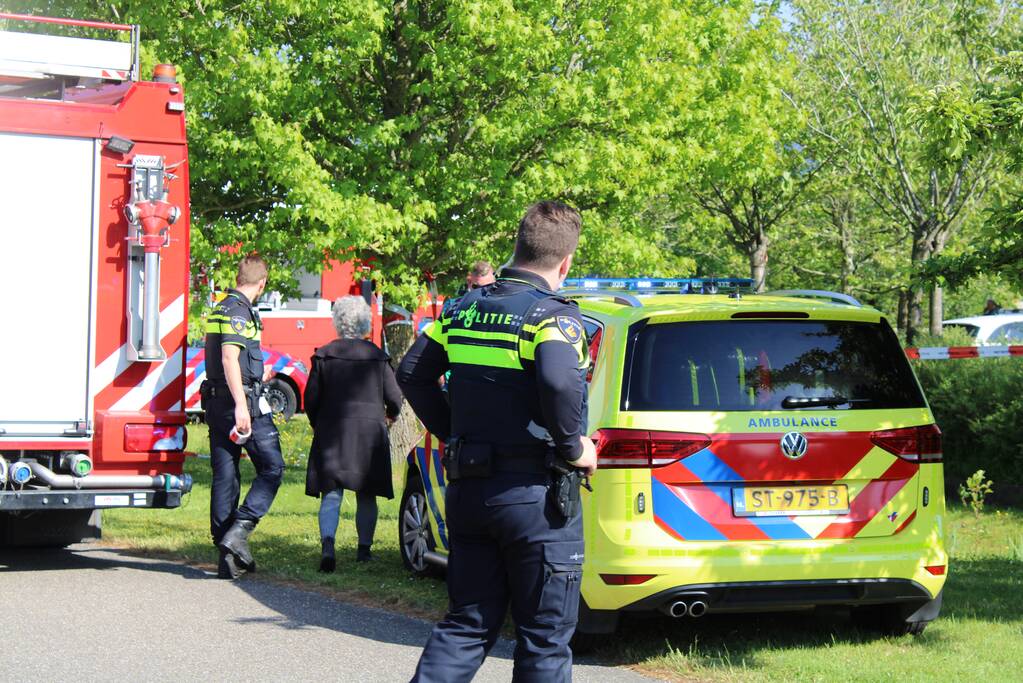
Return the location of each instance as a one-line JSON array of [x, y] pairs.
[[232, 393], [518, 359], [480, 275]]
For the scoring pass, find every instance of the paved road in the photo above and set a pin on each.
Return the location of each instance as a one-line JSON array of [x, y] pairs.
[[99, 614]]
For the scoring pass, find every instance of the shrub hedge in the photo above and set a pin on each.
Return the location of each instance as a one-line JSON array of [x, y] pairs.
[[978, 404]]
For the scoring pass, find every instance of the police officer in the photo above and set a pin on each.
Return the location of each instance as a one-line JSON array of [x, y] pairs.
[[517, 357], [234, 372], [480, 275]]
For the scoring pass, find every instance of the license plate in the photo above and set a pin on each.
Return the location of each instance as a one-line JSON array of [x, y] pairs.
[[775, 501]]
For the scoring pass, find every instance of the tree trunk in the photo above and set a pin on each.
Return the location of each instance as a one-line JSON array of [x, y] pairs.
[[921, 252], [840, 214], [406, 431], [937, 295], [916, 314], [902, 317], [757, 251], [937, 310]]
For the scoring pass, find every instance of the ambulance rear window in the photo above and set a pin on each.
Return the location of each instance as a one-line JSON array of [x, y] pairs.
[[755, 365]]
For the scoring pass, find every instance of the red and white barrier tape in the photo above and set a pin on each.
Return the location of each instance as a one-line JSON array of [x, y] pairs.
[[952, 352]]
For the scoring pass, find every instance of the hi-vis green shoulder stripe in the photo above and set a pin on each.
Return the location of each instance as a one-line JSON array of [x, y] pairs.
[[527, 347], [224, 327]]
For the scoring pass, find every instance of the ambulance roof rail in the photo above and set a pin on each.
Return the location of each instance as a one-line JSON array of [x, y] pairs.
[[37, 55], [620, 298], [834, 297], [686, 285]]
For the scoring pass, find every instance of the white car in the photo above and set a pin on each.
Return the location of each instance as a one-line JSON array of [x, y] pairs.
[[1000, 328]]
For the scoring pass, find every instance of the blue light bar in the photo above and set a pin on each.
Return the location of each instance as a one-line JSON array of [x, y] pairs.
[[685, 285]]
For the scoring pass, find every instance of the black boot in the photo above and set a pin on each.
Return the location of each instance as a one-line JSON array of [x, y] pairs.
[[236, 542], [227, 567], [327, 559], [362, 554]]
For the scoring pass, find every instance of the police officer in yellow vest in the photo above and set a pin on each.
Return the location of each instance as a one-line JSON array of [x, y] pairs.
[[231, 398], [517, 356]]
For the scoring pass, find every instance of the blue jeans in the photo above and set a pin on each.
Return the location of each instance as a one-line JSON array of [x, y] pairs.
[[264, 449], [365, 515]]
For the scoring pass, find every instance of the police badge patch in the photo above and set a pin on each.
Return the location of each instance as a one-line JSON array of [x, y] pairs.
[[570, 327], [238, 324]]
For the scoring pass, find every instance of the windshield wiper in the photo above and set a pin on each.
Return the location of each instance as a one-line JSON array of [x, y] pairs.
[[795, 402]]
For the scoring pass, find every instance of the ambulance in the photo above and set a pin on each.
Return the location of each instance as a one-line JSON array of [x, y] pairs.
[[756, 452]]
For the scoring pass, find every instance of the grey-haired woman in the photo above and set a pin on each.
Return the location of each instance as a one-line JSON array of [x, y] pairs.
[[351, 390]]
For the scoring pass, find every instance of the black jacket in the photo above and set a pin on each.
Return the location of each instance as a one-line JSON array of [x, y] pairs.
[[517, 355], [350, 387]]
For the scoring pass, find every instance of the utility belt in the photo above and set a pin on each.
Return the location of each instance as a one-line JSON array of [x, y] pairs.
[[210, 389], [474, 460]]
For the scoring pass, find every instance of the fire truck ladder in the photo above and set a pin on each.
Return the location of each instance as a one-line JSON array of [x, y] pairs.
[[27, 58]]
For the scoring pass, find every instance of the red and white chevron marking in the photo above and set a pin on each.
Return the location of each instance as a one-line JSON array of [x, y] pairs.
[[954, 352], [119, 392]]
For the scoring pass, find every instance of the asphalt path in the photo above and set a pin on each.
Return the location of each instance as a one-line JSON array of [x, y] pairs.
[[100, 614]]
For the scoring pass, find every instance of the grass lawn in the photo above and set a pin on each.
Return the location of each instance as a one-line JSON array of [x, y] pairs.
[[979, 635]]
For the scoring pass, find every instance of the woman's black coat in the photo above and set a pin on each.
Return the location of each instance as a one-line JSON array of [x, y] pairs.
[[350, 386]]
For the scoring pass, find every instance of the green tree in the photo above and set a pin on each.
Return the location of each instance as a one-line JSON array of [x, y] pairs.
[[882, 70], [758, 162], [999, 248], [416, 131], [836, 239]]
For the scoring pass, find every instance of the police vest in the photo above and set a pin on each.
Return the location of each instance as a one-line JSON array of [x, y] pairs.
[[234, 321], [491, 338]]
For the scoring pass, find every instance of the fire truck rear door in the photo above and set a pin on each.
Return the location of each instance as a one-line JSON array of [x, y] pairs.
[[48, 207]]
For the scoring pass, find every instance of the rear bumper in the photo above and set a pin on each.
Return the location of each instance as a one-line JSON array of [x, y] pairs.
[[767, 596], [94, 499]]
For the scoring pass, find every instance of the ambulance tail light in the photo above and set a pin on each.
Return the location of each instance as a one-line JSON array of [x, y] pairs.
[[144, 438], [916, 444], [626, 579], [621, 448]]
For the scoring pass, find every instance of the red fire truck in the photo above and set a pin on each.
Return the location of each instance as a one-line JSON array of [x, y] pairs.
[[298, 326], [94, 274]]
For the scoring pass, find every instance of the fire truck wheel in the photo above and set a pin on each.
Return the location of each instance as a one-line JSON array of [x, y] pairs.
[[281, 397]]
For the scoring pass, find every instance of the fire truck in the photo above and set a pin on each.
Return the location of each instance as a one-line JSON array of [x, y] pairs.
[[94, 270], [299, 325]]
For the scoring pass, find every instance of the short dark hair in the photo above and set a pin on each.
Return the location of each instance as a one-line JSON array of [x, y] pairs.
[[547, 234], [252, 269], [481, 268]]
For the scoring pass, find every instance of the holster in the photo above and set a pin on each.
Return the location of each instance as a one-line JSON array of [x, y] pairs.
[[252, 394], [209, 390], [204, 394], [566, 481], [468, 460]]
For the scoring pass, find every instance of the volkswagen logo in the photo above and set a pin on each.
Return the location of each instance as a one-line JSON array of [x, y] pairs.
[[793, 445]]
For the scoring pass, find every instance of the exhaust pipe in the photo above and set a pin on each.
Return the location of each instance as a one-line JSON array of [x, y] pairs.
[[161, 482], [676, 609], [697, 609], [436, 559]]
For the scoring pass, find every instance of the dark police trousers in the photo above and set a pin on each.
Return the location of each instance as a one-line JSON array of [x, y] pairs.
[[264, 449], [507, 545]]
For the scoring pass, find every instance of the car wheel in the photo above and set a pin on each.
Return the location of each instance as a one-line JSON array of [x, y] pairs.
[[281, 397], [415, 535]]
